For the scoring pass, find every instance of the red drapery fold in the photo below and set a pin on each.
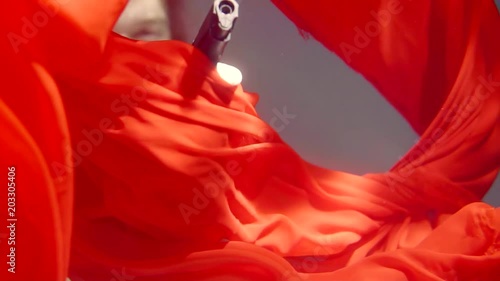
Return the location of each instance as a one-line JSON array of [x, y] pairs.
[[41, 38], [180, 187]]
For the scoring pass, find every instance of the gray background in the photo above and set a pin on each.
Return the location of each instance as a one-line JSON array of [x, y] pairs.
[[341, 123]]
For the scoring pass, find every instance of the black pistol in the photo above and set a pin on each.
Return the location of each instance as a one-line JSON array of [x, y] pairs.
[[216, 30]]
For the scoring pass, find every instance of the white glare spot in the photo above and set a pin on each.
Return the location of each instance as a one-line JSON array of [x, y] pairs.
[[229, 73]]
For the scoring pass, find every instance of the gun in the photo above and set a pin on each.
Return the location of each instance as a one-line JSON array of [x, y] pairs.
[[216, 29]]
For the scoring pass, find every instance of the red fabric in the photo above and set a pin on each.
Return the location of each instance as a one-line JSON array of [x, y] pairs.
[[40, 39], [177, 178], [437, 63]]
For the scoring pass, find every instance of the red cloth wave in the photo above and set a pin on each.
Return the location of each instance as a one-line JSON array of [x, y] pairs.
[[177, 178]]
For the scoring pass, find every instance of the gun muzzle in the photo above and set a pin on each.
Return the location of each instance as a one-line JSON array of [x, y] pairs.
[[216, 30]]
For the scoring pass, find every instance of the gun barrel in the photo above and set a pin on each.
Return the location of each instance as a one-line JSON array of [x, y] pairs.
[[215, 31]]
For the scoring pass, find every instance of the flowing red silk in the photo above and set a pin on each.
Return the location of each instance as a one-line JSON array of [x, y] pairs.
[[175, 176]]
